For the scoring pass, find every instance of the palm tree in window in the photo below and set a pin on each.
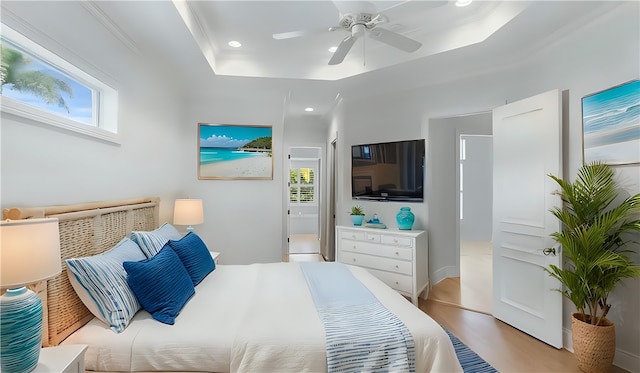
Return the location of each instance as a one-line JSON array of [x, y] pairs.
[[14, 73]]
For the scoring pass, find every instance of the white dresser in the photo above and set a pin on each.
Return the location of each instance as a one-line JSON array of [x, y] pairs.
[[399, 258]]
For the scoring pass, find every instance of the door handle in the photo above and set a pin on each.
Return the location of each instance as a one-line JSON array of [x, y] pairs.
[[549, 251]]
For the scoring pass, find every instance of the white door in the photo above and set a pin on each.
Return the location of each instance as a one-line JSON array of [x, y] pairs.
[[526, 148]]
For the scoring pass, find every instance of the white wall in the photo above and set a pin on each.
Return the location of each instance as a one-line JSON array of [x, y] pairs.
[[477, 186], [606, 52], [243, 218], [43, 165]]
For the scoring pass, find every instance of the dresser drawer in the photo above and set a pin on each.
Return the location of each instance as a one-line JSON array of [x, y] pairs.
[[397, 241], [401, 253], [352, 235], [369, 261], [394, 280], [370, 237]]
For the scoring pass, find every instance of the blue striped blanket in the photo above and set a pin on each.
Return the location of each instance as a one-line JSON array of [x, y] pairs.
[[361, 334]]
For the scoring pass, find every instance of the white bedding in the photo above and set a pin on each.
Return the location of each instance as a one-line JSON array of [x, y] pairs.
[[250, 318]]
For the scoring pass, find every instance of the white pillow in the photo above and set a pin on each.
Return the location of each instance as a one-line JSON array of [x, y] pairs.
[[151, 242], [101, 283]]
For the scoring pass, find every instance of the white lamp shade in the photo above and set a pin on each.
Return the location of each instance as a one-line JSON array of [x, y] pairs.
[[188, 212], [29, 251]]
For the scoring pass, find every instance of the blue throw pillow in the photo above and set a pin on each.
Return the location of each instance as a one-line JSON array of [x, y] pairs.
[[161, 283], [194, 256]]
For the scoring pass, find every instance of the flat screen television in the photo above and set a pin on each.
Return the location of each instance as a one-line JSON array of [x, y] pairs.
[[390, 171]]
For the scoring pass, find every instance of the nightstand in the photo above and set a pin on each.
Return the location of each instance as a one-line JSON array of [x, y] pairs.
[[61, 359], [215, 255]]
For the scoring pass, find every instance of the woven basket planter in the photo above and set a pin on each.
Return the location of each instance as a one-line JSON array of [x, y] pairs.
[[594, 346]]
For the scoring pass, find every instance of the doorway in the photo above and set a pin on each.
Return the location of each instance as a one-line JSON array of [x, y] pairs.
[[453, 183], [303, 190], [476, 195], [476, 211]]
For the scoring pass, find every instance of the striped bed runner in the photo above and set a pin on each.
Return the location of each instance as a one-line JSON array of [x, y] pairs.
[[361, 334]]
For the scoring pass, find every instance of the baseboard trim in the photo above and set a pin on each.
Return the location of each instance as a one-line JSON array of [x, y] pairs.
[[442, 273]]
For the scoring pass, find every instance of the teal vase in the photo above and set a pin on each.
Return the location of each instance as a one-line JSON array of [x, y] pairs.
[[20, 330], [357, 219], [405, 218]]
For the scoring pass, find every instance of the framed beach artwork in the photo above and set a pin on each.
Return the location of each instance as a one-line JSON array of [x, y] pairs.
[[234, 152], [611, 125]]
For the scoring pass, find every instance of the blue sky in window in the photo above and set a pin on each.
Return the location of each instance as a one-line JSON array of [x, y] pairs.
[[80, 104], [222, 136]]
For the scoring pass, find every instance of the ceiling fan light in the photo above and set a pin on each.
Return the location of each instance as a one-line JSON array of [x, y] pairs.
[[333, 49], [463, 3], [235, 44], [308, 109]]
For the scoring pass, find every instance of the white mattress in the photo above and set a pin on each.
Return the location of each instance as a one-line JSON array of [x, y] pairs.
[[250, 318]]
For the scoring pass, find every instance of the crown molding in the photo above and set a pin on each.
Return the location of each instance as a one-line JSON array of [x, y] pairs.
[[99, 14]]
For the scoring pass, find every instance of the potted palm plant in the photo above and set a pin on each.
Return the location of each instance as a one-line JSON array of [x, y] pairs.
[[595, 239], [357, 215]]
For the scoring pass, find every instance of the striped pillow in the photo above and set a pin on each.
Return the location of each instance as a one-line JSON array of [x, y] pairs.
[[151, 242], [101, 284]]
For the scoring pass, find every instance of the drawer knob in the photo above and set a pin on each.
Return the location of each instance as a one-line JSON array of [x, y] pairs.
[[354, 246], [397, 283], [395, 240], [354, 259], [397, 266], [371, 238], [397, 253]]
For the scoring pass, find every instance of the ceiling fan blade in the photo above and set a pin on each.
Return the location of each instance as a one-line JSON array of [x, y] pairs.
[[395, 40], [343, 49]]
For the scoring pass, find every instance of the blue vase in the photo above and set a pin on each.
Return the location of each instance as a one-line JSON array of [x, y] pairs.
[[405, 218], [20, 330]]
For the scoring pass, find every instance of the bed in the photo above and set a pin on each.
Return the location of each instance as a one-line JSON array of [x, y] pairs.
[[271, 317]]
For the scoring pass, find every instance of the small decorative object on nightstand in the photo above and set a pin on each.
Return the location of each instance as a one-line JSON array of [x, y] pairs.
[[62, 359], [215, 256]]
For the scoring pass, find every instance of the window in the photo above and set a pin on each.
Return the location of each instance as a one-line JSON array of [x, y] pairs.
[[302, 189], [39, 85]]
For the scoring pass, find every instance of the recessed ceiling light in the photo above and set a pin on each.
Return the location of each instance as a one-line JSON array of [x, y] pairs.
[[462, 3], [309, 109], [235, 44], [333, 49]]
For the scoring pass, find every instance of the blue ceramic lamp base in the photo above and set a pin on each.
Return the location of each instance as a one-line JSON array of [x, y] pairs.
[[20, 330]]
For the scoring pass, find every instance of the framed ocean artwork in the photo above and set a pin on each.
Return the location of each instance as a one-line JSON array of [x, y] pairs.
[[234, 152], [611, 125]]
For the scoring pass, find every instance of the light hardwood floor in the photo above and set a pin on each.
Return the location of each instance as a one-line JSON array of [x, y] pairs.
[[474, 288], [304, 244]]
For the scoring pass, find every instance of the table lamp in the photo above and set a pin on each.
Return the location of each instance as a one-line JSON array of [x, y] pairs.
[[29, 253], [188, 212]]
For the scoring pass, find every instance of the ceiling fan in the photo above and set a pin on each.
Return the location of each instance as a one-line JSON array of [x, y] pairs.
[[358, 24]]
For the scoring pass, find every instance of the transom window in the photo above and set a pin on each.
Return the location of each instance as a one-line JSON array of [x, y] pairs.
[[39, 85]]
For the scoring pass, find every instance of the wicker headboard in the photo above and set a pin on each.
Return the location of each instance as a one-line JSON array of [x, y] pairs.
[[85, 229]]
